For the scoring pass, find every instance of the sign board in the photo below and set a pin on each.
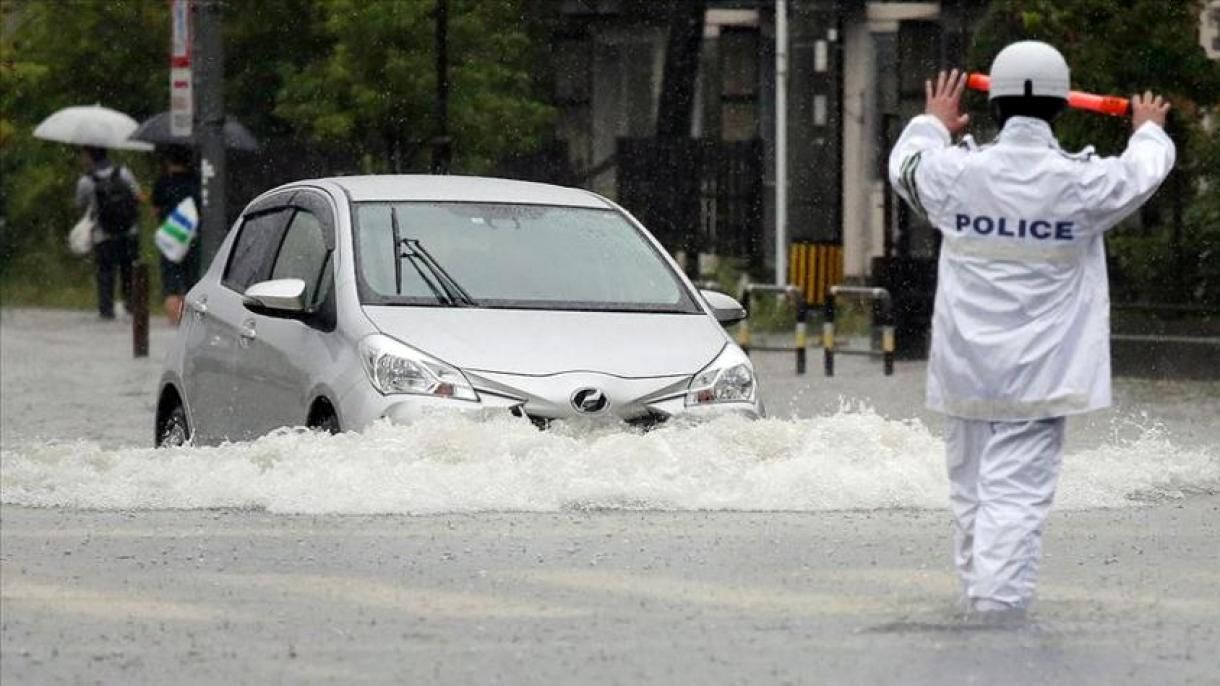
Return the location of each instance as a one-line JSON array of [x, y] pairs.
[[1209, 29], [181, 96]]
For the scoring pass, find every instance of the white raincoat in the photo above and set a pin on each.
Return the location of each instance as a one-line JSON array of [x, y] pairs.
[[1021, 323], [1021, 330]]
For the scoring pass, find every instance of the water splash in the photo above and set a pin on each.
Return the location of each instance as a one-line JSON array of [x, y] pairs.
[[853, 459]]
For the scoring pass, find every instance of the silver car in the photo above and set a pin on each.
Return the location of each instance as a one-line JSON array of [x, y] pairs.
[[337, 302]]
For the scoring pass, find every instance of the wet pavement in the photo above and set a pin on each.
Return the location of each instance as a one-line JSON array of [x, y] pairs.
[[585, 593]]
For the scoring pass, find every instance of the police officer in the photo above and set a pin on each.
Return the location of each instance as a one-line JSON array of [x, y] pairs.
[[1020, 333]]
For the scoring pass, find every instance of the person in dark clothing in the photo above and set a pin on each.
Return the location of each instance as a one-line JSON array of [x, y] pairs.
[[113, 250], [178, 182]]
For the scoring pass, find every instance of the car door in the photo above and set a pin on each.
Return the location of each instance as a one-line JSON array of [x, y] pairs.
[[206, 365], [278, 358], [219, 314]]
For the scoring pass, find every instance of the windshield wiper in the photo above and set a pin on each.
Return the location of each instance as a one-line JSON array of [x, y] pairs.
[[446, 289], [399, 255], [457, 295]]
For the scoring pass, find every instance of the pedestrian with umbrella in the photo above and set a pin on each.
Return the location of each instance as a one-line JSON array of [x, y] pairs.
[[109, 194], [176, 201]]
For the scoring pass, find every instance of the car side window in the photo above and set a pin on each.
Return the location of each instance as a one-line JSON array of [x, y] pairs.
[[304, 255], [254, 249]]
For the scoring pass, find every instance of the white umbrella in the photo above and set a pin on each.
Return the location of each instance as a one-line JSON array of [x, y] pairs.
[[91, 125]]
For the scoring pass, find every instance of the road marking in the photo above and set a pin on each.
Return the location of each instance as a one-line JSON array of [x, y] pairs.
[[737, 596], [425, 602], [109, 605]]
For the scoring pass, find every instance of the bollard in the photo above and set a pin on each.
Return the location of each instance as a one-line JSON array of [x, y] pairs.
[[139, 309], [802, 313], [828, 336], [887, 335], [883, 319]]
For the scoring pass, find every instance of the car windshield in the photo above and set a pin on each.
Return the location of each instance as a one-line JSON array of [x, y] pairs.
[[511, 256]]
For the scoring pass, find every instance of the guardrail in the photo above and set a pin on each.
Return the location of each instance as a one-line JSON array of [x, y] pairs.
[[883, 317], [802, 314]]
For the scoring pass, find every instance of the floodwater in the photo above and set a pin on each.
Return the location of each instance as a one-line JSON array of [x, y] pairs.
[[851, 460], [811, 547], [859, 441]]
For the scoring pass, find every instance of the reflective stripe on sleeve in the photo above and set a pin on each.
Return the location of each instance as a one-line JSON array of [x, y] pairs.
[[907, 179]]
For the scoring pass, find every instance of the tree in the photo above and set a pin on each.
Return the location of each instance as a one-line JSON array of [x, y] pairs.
[[376, 81], [265, 41], [351, 70], [58, 54]]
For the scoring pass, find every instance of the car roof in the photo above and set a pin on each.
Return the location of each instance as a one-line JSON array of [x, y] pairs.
[[414, 187]]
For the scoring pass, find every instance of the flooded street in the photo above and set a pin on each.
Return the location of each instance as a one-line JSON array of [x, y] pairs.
[[808, 547]]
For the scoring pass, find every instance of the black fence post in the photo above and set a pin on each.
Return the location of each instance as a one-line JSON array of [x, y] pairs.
[[802, 315], [828, 335], [139, 309], [887, 335]]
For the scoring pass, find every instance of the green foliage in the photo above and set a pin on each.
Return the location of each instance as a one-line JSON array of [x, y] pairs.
[[58, 54], [265, 40], [358, 70], [377, 84], [1126, 47], [1117, 47]]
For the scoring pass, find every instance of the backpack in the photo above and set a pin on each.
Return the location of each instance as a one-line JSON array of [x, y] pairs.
[[117, 208]]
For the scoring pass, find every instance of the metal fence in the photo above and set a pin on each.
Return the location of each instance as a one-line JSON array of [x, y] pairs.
[[695, 195]]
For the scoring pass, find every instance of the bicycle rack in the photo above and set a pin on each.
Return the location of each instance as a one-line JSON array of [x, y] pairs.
[[802, 315], [883, 317]]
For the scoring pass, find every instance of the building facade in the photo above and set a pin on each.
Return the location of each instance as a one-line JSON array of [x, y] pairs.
[[855, 74]]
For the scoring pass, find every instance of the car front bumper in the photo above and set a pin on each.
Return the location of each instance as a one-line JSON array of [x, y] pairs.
[[636, 402]]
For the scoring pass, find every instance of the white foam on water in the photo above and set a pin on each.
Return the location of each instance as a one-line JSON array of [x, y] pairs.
[[854, 459]]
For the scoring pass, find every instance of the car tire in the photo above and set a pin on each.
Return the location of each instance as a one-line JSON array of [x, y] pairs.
[[325, 421], [173, 430]]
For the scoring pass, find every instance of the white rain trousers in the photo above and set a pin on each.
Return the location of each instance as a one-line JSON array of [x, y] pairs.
[[1002, 478]]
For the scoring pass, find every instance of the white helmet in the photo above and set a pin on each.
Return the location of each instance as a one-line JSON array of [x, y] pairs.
[[1029, 68]]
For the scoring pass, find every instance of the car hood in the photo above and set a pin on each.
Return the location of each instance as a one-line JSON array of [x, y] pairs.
[[540, 342]]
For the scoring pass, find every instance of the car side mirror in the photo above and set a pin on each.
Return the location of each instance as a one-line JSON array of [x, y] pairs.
[[725, 307], [284, 298]]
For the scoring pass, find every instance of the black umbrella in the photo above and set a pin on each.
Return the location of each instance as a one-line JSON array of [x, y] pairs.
[[156, 130]]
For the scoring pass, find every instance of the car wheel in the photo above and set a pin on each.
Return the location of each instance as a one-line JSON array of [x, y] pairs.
[[325, 421], [173, 430]]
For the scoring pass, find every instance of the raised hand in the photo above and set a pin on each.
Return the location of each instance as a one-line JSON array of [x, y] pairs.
[[944, 100], [1148, 108]]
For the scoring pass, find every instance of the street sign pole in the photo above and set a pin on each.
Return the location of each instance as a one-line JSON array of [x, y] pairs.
[[442, 150], [781, 143], [181, 97], [210, 117]]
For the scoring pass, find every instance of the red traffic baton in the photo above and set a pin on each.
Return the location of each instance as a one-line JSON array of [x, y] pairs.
[[1102, 104]]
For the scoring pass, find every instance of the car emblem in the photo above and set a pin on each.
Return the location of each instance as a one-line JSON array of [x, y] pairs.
[[590, 400]]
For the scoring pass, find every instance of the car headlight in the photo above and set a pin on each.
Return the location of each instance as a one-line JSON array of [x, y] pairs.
[[728, 379], [394, 367]]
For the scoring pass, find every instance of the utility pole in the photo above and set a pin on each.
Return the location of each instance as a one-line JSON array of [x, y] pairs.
[[209, 123], [442, 150], [781, 143]]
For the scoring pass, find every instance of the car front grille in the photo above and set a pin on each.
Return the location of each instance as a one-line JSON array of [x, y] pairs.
[[643, 422]]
